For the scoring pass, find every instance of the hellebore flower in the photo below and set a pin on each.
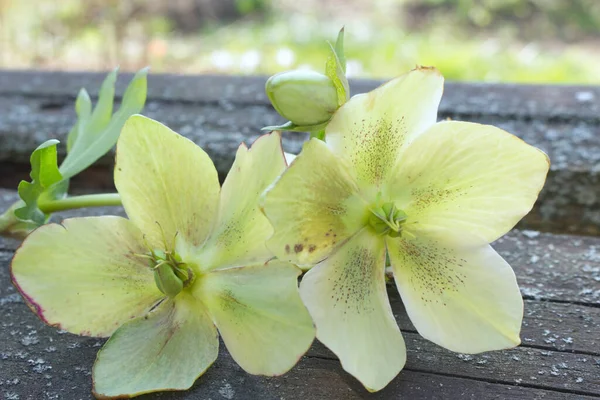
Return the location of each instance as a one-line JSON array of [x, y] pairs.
[[431, 195], [185, 261]]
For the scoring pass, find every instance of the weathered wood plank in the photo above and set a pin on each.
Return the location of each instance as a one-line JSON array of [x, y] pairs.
[[550, 370], [38, 362], [559, 274], [559, 357], [554, 267], [546, 325], [572, 144], [220, 112], [549, 267], [547, 101], [570, 201]]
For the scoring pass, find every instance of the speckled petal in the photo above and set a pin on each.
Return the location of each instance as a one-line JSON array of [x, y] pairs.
[[313, 207], [346, 296], [464, 299], [163, 177], [468, 180], [242, 229], [260, 315], [83, 276], [166, 350], [371, 130]]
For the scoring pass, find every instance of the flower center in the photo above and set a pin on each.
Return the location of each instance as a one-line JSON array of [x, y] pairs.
[[387, 220], [170, 273]]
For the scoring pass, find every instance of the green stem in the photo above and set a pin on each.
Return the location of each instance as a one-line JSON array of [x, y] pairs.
[[320, 134], [88, 200]]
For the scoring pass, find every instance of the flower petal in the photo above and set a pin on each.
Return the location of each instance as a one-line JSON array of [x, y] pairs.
[[371, 130], [260, 316], [83, 275], [163, 177], [469, 179], [313, 206], [464, 299], [166, 350], [241, 230], [347, 298]]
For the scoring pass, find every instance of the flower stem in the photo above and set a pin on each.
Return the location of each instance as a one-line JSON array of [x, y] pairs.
[[88, 200], [320, 134]]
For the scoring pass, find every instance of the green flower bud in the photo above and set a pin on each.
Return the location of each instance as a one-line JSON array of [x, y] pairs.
[[305, 98]]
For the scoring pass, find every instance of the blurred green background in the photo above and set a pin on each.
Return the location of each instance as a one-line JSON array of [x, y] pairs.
[[543, 41]]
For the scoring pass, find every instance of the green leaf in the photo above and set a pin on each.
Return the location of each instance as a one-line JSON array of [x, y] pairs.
[[89, 125], [96, 133], [45, 180], [334, 69], [339, 49], [83, 108], [291, 127], [104, 108]]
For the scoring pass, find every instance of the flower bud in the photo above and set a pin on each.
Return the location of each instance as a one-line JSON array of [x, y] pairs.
[[304, 97]]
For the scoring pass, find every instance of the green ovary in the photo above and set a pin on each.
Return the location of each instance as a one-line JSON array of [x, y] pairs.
[[387, 219], [171, 274]]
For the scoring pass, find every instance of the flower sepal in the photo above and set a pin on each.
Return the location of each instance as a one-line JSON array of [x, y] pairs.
[[335, 69]]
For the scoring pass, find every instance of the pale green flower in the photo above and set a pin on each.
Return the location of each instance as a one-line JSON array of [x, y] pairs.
[[187, 259], [431, 195]]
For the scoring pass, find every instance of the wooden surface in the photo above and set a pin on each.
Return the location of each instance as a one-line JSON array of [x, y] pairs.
[[220, 112], [559, 277], [559, 273]]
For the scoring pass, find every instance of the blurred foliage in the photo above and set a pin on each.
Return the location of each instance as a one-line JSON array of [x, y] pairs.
[[251, 6], [531, 19], [492, 40]]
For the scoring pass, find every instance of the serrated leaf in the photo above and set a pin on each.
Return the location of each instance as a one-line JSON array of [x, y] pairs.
[[335, 72], [96, 136], [339, 49], [291, 127], [45, 179]]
